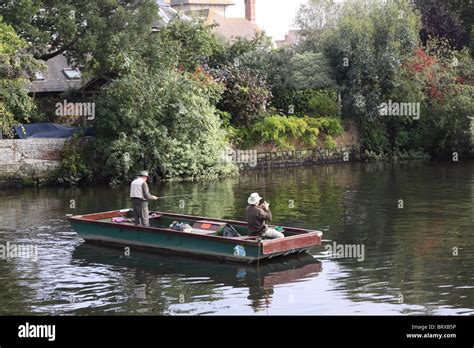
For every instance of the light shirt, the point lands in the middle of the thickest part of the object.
(139, 189)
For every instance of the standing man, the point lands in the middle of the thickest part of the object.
(140, 195)
(257, 215)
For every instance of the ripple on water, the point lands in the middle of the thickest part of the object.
(409, 266)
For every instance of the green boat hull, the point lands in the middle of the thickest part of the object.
(99, 229)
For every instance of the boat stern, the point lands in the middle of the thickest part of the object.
(292, 244)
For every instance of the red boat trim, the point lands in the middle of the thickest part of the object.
(303, 239)
(291, 243)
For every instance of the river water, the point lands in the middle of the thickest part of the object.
(412, 226)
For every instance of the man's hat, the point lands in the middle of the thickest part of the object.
(254, 199)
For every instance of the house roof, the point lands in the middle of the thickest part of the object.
(202, 2)
(230, 28)
(167, 14)
(291, 38)
(55, 79)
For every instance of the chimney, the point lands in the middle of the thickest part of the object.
(250, 10)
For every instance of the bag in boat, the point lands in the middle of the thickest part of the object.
(230, 232)
(181, 226)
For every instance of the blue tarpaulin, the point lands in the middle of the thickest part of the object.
(48, 130)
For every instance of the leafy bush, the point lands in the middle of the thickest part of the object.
(161, 120)
(323, 103)
(246, 93)
(185, 44)
(16, 106)
(285, 131)
(74, 167)
(327, 125)
(282, 131)
(430, 78)
(329, 142)
(312, 102)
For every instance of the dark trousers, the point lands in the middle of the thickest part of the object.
(140, 212)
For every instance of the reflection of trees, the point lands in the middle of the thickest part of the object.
(210, 198)
(22, 213)
(309, 197)
(410, 250)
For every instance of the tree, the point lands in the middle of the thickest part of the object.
(438, 78)
(365, 46)
(315, 19)
(449, 19)
(246, 93)
(233, 52)
(440, 22)
(187, 44)
(91, 33)
(163, 120)
(15, 104)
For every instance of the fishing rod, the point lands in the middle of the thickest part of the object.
(176, 196)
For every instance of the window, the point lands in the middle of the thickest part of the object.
(72, 74)
(39, 76)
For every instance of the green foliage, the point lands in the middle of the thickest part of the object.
(286, 132)
(27, 182)
(234, 135)
(288, 69)
(282, 130)
(186, 44)
(246, 93)
(323, 103)
(75, 169)
(315, 20)
(450, 20)
(315, 103)
(15, 104)
(327, 125)
(472, 41)
(78, 28)
(163, 121)
(10, 42)
(365, 42)
(309, 70)
(436, 77)
(329, 142)
(241, 49)
(375, 53)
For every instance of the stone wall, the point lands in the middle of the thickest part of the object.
(263, 158)
(268, 156)
(28, 160)
(33, 161)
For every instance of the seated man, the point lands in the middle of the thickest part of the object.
(257, 215)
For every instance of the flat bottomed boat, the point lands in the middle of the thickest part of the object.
(203, 238)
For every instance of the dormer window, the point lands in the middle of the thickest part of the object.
(39, 76)
(72, 74)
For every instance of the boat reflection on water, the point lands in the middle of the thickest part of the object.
(259, 279)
